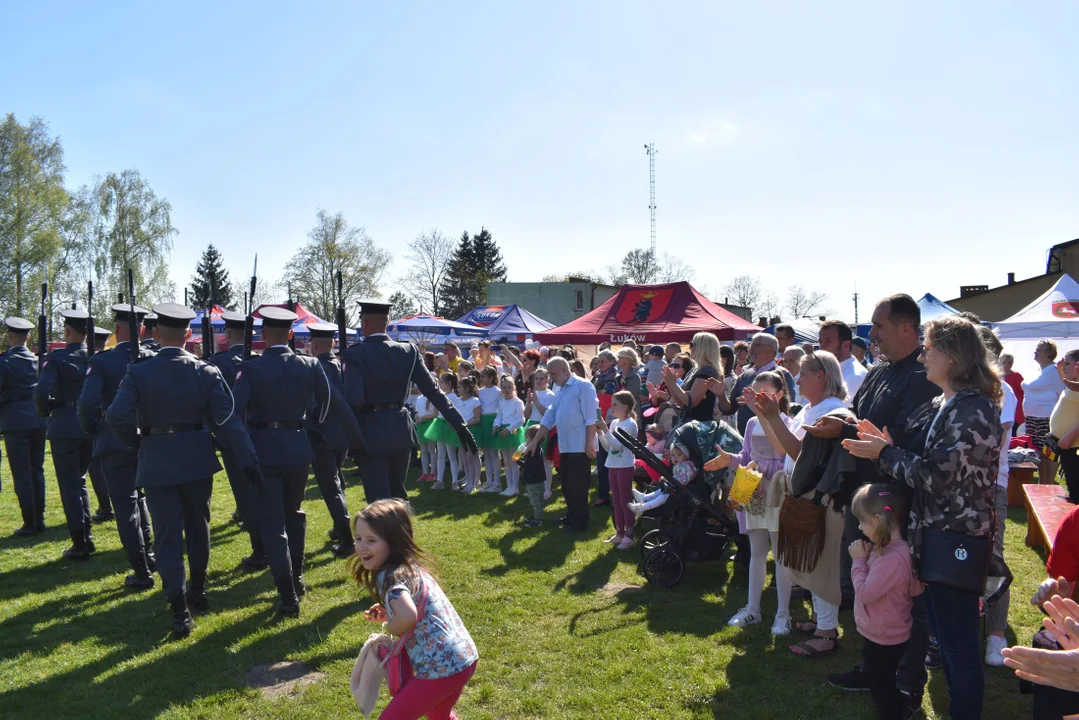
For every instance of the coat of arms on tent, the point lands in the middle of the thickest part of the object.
(1068, 309)
(643, 305)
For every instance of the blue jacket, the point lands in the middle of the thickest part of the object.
(176, 388)
(58, 391)
(106, 370)
(229, 362)
(18, 378)
(281, 386)
(331, 433)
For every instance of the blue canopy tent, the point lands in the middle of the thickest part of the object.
(506, 323)
(424, 330)
(931, 306)
(805, 331)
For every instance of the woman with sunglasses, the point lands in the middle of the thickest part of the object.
(697, 400)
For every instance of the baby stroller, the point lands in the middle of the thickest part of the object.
(688, 526)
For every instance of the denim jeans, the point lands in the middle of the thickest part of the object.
(953, 620)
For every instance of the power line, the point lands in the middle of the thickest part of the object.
(650, 149)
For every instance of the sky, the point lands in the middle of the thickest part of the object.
(841, 146)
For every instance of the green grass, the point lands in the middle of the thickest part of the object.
(74, 644)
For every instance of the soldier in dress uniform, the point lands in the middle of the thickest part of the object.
(24, 431)
(164, 407)
(104, 511)
(274, 392)
(329, 443)
(228, 362)
(56, 394)
(116, 461)
(148, 324)
(378, 375)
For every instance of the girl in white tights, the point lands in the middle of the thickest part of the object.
(760, 518)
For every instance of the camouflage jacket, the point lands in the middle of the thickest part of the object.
(956, 474)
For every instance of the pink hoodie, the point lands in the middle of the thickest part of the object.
(884, 591)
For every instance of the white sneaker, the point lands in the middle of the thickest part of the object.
(745, 617)
(507, 493)
(782, 625)
(993, 646)
(438, 486)
(637, 495)
(626, 544)
(635, 507)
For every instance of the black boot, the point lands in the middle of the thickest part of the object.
(25, 531)
(77, 552)
(182, 624)
(343, 549)
(299, 585)
(288, 603)
(196, 593)
(102, 515)
(254, 561)
(151, 560)
(90, 547)
(140, 579)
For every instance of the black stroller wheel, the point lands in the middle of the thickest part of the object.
(664, 567)
(654, 539)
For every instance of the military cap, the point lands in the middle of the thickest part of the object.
(76, 319)
(234, 320)
(374, 307)
(173, 315)
(101, 332)
(150, 320)
(122, 311)
(18, 325)
(275, 317)
(322, 330)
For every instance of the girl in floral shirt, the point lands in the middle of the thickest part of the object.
(390, 565)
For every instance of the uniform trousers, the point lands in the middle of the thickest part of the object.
(281, 519)
(327, 466)
(179, 513)
(101, 488)
(26, 458)
(71, 459)
(383, 474)
(132, 515)
(241, 492)
(576, 472)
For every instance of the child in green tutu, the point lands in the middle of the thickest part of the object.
(469, 406)
(443, 435)
(508, 431)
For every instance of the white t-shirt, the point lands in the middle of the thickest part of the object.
(467, 407)
(853, 375)
(452, 397)
(618, 455)
(1041, 394)
(545, 397)
(422, 405)
(489, 399)
(809, 415)
(1007, 414)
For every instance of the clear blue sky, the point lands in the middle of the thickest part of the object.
(909, 148)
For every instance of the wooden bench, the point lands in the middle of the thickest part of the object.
(1047, 506)
(1019, 475)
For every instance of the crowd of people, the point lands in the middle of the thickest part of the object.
(896, 448)
(882, 470)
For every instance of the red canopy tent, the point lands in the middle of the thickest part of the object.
(650, 314)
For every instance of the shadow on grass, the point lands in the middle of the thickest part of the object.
(45, 576)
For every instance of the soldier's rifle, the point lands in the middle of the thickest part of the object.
(249, 321)
(42, 329)
(91, 340)
(342, 330)
(132, 318)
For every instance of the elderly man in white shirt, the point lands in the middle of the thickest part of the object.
(792, 363)
(836, 337)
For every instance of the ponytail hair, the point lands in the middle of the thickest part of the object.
(884, 501)
(779, 385)
(450, 379)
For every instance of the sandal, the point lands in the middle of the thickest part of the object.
(809, 627)
(804, 649)
(600, 502)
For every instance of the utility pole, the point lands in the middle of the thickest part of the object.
(650, 149)
(855, 297)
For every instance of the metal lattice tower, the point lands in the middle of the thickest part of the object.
(650, 149)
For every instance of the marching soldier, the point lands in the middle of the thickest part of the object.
(378, 375)
(329, 443)
(24, 431)
(56, 393)
(117, 462)
(104, 511)
(171, 395)
(228, 363)
(274, 392)
(148, 324)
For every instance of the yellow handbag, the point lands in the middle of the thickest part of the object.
(744, 485)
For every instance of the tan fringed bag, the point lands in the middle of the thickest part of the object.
(801, 534)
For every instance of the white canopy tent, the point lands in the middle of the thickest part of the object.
(1053, 316)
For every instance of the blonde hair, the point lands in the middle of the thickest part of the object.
(833, 373)
(883, 501)
(961, 342)
(631, 355)
(706, 351)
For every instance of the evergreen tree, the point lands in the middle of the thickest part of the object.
(489, 265)
(211, 284)
(400, 306)
(459, 285)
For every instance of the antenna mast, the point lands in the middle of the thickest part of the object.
(650, 149)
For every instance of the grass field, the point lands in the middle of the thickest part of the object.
(553, 643)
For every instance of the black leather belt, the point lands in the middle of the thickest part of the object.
(171, 429)
(278, 425)
(379, 406)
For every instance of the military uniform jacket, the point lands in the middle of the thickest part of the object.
(330, 433)
(18, 378)
(380, 372)
(58, 391)
(228, 362)
(278, 387)
(103, 376)
(176, 388)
